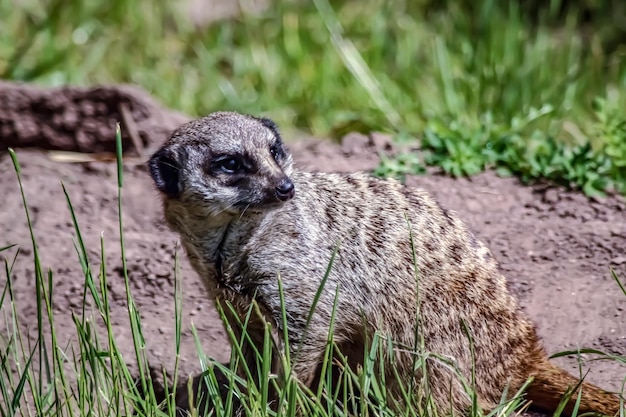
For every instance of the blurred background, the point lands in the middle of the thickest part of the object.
(532, 88)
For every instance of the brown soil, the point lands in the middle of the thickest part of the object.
(556, 247)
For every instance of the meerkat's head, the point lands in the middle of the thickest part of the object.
(223, 164)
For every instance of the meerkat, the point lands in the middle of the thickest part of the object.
(404, 267)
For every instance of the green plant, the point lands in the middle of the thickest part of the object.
(403, 163)
(612, 138)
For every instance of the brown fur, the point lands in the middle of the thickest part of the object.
(239, 235)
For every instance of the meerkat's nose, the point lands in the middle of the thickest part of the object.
(285, 190)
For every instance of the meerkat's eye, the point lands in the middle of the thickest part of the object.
(229, 165)
(276, 152)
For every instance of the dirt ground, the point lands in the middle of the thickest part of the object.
(555, 246)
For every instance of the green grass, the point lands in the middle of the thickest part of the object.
(537, 94)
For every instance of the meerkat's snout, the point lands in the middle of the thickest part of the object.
(285, 190)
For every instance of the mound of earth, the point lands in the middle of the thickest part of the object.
(556, 247)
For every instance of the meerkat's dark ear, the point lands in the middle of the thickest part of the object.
(268, 123)
(165, 171)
